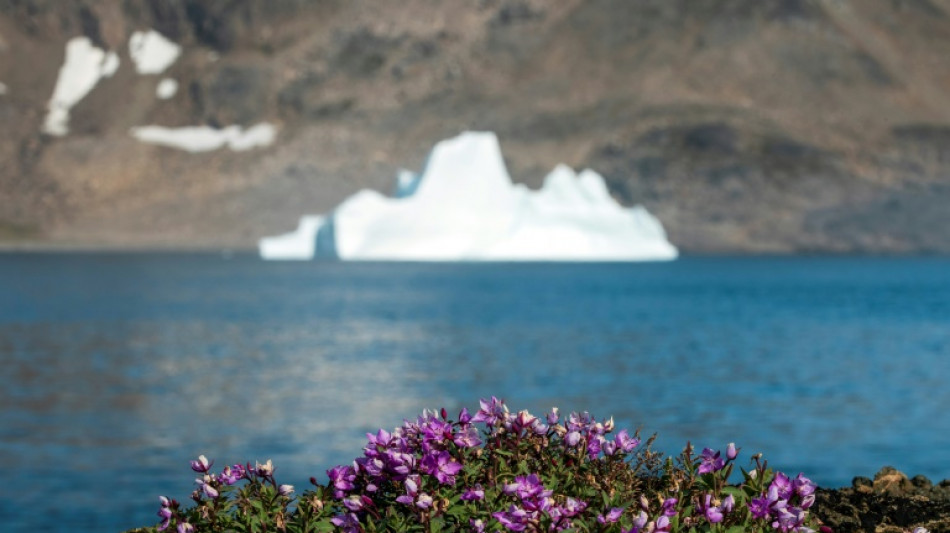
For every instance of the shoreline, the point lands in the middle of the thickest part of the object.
(889, 503)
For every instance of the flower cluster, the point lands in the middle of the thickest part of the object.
(495, 471)
(786, 502)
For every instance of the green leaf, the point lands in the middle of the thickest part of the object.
(324, 525)
(736, 492)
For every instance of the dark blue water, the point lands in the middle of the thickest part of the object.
(115, 370)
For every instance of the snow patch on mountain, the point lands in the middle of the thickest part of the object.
(84, 66)
(151, 52)
(196, 139)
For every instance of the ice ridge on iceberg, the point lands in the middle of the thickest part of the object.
(464, 207)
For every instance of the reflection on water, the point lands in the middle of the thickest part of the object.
(118, 369)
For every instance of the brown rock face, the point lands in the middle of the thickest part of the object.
(745, 126)
(891, 503)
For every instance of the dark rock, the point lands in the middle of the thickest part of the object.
(361, 53)
(862, 484)
(890, 503)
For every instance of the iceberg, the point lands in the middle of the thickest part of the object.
(464, 207)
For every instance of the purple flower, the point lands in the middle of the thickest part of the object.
(202, 465)
(353, 503)
(728, 504)
(553, 416)
(185, 527)
(373, 466)
(526, 487)
(669, 507)
(789, 519)
(625, 442)
(412, 487)
(711, 462)
(639, 523)
(612, 517)
(342, 478)
(663, 524)
(776, 502)
(712, 512)
(231, 474)
(514, 519)
(573, 507)
(382, 439)
(165, 513)
(285, 490)
(473, 494)
(467, 438)
(465, 418)
(442, 466)
(490, 411)
(435, 431)
(759, 507)
(572, 439)
(478, 526)
(424, 501)
(594, 446)
(803, 486)
(348, 522)
(807, 501)
(264, 470)
(731, 451)
(579, 421)
(400, 464)
(783, 485)
(207, 489)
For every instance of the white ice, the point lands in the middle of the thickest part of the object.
(205, 138)
(84, 66)
(464, 207)
(166, 88)
(151, 52)
(299, 244)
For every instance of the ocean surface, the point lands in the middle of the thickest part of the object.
(117, 369)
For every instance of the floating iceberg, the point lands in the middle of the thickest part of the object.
(464, 207)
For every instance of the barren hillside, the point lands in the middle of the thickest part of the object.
(744, 125)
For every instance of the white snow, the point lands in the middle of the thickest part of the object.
(151, 52)
(3, 88)
(205, 138)
(166, 88)
(84, 66)
(465, 208)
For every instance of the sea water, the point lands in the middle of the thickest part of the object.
(117, 369)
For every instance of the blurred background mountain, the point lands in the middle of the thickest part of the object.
(744, 125)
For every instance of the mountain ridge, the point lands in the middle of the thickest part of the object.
(786, 126)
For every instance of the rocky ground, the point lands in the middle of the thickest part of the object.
(890, 503)
(745, 126)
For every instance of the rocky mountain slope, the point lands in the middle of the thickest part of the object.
(744, 125)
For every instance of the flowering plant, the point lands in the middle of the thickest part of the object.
(502, 471)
